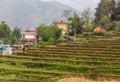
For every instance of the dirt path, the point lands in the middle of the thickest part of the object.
(82, 80)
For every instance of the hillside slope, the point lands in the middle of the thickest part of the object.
(29, 13)
(93, 59)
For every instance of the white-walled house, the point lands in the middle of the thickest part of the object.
(29, 36)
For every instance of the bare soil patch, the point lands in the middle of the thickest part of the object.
(82, 79)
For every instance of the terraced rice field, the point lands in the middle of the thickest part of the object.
(92, 59)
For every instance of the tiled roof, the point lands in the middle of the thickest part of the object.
(34, 33)
(30, 30)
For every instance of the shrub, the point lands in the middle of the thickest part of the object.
(118, 26)
(47, 32)
(87, 34)
(88, 27)
(99, 33)
(112, 26)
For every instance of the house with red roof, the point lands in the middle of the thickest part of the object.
(29, 36)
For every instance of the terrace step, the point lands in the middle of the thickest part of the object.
(65, 58)
(47, 64)
(81, 53)
(99, 57)
(74, 69)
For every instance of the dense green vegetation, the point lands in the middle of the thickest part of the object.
(107, 13)
(75, 24)
(116, 12)
(17, 33)
(7, 36)
(48, 34)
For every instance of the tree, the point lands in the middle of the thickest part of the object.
(57, 33)
(105, 8)
(105, 21)
(43, 32)
(49, 32)
(88, 27)
(13, 39)
(17, 33)
(86, 15)
(5, 32)
(116, 12)
(75, 24)
(87, 20)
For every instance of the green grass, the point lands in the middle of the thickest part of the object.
(99, 57)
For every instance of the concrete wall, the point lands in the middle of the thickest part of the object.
(64, 28)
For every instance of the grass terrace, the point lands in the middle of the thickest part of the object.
(93, 58)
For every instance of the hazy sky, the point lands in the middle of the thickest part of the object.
(78, 4)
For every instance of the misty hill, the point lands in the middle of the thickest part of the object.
(29, 13)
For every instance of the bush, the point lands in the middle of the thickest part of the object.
(118, 26)
(88, 27)
(47, 32)
(109, 33)
(87, 34)
(49, 42)
(118, 33)
(99, 33)
(112, 26)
